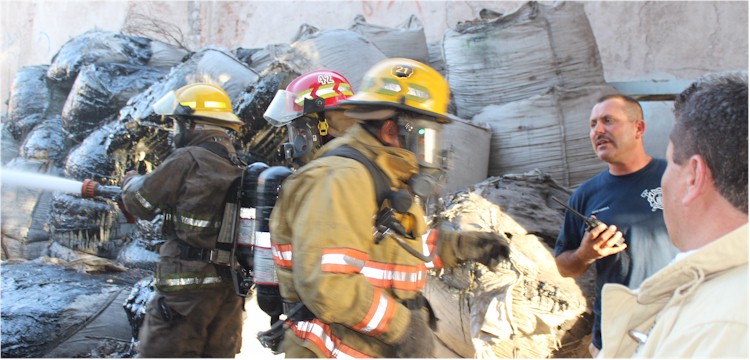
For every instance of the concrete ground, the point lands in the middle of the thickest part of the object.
(256, 321)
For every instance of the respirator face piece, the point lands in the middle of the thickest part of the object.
(178, 132)
(423, 136)
(304, 139)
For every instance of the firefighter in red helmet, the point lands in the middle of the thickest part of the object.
(310, 109)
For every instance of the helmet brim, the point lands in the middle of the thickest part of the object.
(369, 110)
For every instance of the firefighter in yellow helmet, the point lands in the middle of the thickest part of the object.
(195, 311)
(351, 268)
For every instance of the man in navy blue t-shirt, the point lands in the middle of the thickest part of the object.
(626, 197)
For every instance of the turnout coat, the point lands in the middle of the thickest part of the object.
(326, 256)
(696, 307)
(195, 311)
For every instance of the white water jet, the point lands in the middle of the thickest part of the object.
(39, 181)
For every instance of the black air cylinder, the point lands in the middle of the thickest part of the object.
(266, 281)
(246, 239)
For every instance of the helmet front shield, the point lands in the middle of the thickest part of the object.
(169, 104)
(423, 136)
(283, 109)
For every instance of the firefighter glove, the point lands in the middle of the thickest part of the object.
(418, 341)
(486, 248)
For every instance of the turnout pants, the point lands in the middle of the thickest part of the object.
(193, 323)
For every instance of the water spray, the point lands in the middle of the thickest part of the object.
(87, 189)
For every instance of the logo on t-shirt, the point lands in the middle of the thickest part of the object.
(654, 198)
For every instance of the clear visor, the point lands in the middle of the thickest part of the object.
(167, 105)
(424, 138)
(283, 109)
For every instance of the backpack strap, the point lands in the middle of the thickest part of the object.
(220, 150)
(382, 185)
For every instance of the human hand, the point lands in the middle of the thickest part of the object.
(487, 248)
(126, 177)
(599, 242)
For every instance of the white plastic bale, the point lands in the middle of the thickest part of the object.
(406, 40)
(264, 57)
(549, 131)
(515, 56)
(471, 146)
(343, 51)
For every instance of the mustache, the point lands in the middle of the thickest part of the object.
(603, 137)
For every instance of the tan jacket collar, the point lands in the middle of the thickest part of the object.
(727, 252)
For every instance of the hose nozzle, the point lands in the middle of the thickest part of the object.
(91, 189)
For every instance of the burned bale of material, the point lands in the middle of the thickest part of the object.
(8, 143)
(92, 158)
(210, 65)
(29, 99)
(100, 91)
(25, 211)
(524, 308)
(91, 226)
(527, 199)
(260, 59)
(261, 140)
(93, 47)
(142, 250)
(32, 99)
(46, 142)
(164, 56)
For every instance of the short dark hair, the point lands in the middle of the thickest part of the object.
(635, 111)
(711, 121)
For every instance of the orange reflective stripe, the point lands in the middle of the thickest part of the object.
(411, 278)
(382, 275)
(320, 334)
(429, 243)
(379, 316)
(282, 254)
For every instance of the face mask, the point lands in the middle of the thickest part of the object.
(303, 139)
(423, 137)
(179, 134)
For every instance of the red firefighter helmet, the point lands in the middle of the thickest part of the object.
(313, 92)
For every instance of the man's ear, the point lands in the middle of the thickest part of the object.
(389, 133)
(700, 178)
(640, 129)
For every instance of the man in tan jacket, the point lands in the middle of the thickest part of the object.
(697, 306)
